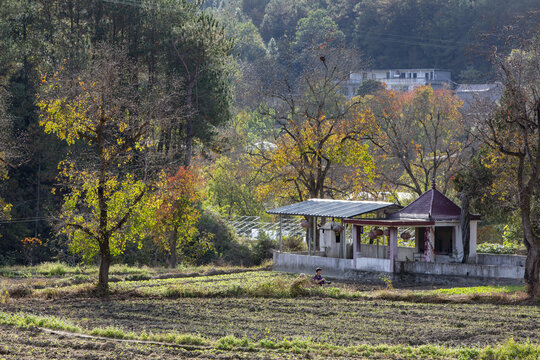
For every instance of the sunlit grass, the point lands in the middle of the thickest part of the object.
(470, 290)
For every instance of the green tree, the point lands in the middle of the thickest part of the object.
(5, 132)
(255, 10)
(281, 16)
(104, 108)
(229, 188)
(369, 87)
(203, 51)
(318, 30)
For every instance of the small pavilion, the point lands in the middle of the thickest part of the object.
(432, 221)
(437, 231)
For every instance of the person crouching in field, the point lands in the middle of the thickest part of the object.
(318, 279)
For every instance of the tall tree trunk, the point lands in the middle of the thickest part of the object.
(172, 248)
(103, 279)
(189, 123)
(38, 192)
(532, 242)
(532, 268)
(532, 263)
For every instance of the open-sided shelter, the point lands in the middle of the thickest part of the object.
(432, 220)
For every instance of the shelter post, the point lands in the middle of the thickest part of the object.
(429, 244)
(354, 244)
(392, 246)
(472, 240)
(458, 244)
(308, 237)
(314, 234)
(280, 234)
(343, 240)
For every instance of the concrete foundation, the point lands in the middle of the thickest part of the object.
(509, 267)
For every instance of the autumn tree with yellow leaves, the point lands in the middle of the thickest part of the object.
(319, 150)
(177, 216)
(421, 137)
(106, 118)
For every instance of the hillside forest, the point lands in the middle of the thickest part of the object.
(134, 131)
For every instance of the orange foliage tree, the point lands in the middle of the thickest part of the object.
(177, 217)
(29, 246)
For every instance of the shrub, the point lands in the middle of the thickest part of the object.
(20, 291)
(230, 342)
(226, 246)
(263, 248)
(4, 296)
(490, 248)
(53, 269)
(299, 287)
(294, 243)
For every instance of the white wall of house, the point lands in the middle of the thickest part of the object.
(398, 79)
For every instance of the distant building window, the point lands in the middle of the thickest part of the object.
(364, 76)
(409, 75)
(388, 74)
(414, 75)
(373, 76)
(431, 75)
(427, 76)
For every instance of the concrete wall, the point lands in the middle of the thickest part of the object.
(372, 268)
(464, 270)
(496, 259)
(404, 253)
(373, 264)
(332, 267)
(294, 263)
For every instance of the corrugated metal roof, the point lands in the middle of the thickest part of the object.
(331, 208)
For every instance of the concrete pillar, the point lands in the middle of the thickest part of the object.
(472, 240)
(308, 238)
(458, 244)
(314, 234)
(280, 236)
(429, 245)
(392, 246)
(343, 238)
(354, 243)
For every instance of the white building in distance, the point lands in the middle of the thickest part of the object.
(398, 79)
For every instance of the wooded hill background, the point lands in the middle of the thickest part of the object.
(230, 52)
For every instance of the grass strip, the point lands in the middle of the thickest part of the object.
(60, 269)
(25, 321)
(266, 284)
(507, 350)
